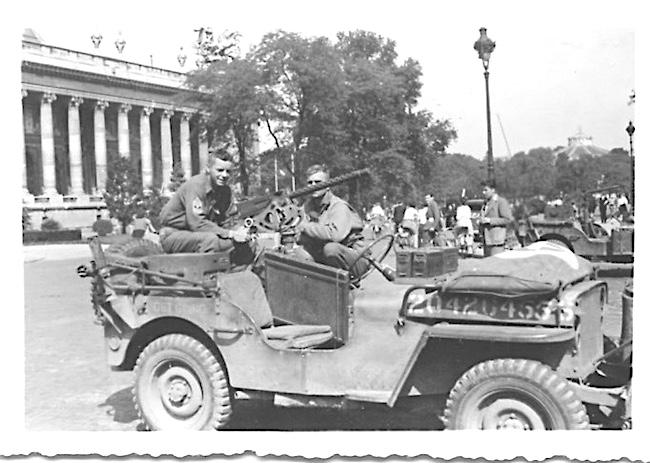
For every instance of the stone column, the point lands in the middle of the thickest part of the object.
(123, 130)
(166, 147)
(186, 150)
(74, 144)
(100, 144)
(21, 147)
(203, 144)
(146, 155)
(47, 145)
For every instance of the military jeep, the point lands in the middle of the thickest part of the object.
(512, 341)
(593, 240)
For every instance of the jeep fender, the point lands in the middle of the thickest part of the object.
(446, 351)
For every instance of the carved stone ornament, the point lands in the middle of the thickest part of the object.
(48, 97)
(101, 105)
(75, 101)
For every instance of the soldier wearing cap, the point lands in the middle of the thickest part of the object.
(192, 220)
(331, 232)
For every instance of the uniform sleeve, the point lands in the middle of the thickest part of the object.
(196, 216)
(336, 227)
(505, 214)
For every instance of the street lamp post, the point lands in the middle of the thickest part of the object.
(630, 131)
(485, 46)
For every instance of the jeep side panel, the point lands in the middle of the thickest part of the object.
(369, 361)
(449, 349)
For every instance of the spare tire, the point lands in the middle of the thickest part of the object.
(136, 247)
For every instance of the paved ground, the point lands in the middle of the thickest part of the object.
(69, 387)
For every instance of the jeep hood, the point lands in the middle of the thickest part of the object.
(542, 267)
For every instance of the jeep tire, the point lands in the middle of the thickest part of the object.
(136, 247)
(181, 384)
(508, 394)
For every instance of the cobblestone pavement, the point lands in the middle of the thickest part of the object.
(70, 387)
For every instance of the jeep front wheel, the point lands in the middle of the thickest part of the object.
(180, 384)
(507, 394)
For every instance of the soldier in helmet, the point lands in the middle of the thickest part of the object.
(193, 219)
(331, 232)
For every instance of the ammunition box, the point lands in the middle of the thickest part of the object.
(427, 262)
(450, 259)
(404, 263)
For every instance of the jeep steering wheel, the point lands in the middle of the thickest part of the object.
(374, 262)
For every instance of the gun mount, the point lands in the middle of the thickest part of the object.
(278, 212)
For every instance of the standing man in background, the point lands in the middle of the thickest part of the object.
(433, 223)
(496, 216)
(398, 214)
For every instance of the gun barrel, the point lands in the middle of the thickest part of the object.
(330, 183)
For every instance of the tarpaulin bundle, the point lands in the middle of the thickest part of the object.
(539, 268)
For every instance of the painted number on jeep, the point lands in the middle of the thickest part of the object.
(475, 307)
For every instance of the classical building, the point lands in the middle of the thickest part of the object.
(81, 109)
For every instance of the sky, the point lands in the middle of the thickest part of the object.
(558, 67)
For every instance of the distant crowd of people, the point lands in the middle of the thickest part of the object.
(496, 218)
(429, 223)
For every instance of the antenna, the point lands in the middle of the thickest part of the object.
(503, 132)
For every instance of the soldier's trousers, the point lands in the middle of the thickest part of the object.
(332, 254)
(177, 241)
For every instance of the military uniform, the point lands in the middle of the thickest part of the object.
(332, 234)
(494, 232)
(192, 219)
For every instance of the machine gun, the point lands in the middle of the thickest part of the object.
(278, 212)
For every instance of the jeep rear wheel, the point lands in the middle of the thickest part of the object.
(511, 394)
(180, 384)
(136, 247)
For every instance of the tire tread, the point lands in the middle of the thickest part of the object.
(542, 375)
(221, 396)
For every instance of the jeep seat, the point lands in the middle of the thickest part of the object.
(245, 290)
(298, 336)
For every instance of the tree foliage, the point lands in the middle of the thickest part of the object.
(123, 190)
(353, 103)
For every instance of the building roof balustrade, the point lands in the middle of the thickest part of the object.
(88, 62)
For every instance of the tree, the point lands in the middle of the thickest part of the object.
(427, 140)
(153, 202)
(455, 172)
(564, 179)
(177, 178)
(123, 190)
(303, 86)
(233, 101)
(349, 105)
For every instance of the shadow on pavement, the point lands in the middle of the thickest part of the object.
(120, 406)
(372, 417)
(254, 415)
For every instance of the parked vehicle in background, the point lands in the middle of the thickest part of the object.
(594, 240)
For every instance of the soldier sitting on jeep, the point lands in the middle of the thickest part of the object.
(193, 219)
(331, 231)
